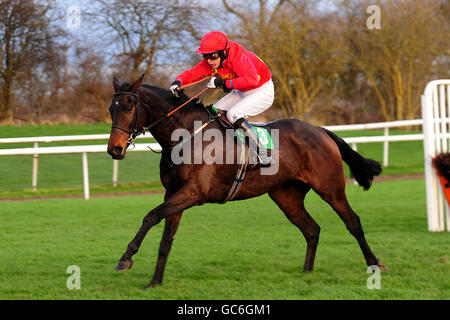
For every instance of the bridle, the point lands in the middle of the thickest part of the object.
(134, 131)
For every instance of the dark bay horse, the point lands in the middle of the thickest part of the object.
(309, 157)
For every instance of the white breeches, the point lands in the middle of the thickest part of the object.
(241, 104)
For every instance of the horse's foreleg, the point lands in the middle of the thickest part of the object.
(153, 217)
(170, 229)
(183, 199)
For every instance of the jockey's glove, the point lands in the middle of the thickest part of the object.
(175, 87)
(217, 83)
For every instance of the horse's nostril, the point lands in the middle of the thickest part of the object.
(117, 150)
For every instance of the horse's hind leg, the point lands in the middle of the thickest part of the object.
(289, 198)
(337, 199)
(170, 229)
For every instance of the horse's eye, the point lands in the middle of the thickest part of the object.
(129, 108)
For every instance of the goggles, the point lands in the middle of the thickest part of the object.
(212, 56)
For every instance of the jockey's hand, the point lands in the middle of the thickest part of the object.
(216, 83)
(175, 87)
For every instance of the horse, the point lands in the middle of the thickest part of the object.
(310, 157)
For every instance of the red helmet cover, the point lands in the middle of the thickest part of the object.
(212, 41)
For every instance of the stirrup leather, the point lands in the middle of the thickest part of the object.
(263, 159)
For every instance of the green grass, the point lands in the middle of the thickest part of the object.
(10, 131)
(62, 174)
(232, 251)
(77, 192)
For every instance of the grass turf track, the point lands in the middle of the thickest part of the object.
(241, 250)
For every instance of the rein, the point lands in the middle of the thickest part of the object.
(135, 132)
(193, 83)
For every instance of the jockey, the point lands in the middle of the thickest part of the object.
(239, 72)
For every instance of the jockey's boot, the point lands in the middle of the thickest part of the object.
(263, 158)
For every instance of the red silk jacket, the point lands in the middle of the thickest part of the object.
(242, 69)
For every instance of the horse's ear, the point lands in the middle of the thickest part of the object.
(137, 84)
(116, 84)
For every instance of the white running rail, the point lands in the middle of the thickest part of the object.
(84, 150)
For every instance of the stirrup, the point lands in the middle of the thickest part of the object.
(261, 162)
(265, 161)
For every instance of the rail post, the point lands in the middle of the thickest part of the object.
(115, 172)
(386, 148)
(85, 175)
(35, 169)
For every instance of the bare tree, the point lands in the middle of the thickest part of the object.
(90, 92)
(255, 18)
(148, 33)
(326, 62)
(300, 46)
(397, 60)
(28, 39)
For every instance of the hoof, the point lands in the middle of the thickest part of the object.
(379, 266)
(383, 267)
(124, 265)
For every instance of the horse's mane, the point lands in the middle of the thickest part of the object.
(164, 96)
(169, 98)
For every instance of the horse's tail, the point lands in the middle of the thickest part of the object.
(362, 169)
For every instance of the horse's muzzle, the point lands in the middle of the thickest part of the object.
(116, 152)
